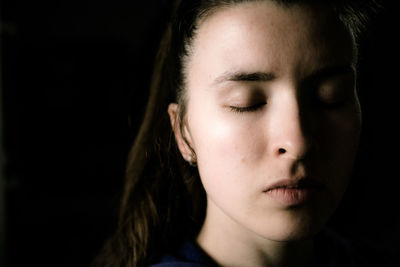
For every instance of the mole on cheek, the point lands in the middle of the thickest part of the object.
(243, 160)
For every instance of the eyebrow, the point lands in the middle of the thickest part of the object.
(245, 77)
(322, 73)
(331, 71)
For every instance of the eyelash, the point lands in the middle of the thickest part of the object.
(330, 104)
(246, 109)
(334, 105)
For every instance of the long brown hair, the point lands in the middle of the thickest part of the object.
(163, 201)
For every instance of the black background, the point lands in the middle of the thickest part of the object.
(75, 78)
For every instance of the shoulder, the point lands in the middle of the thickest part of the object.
(370, 254)
(336, 250)
(188, 255)
(177, 264)
(332, 249)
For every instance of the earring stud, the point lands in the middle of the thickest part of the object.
(192, 160)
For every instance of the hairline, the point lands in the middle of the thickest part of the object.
(206, 13)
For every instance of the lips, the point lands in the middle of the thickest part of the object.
(295, 184)
(291, 192)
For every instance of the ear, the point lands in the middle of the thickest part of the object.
(181, 140)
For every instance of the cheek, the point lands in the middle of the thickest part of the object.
(223, 140)
(221, 136)
(338, 149)
(227, 147)
(344, 135)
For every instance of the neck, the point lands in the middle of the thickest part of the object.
(229, 244)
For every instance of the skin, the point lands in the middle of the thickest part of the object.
(300, 119)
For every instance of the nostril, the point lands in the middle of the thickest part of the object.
(282, 151)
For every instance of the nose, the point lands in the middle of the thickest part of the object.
(296, 150)
(289, 136)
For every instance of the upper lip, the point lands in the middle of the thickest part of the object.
(295, 183)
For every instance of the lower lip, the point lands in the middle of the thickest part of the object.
(291, 196)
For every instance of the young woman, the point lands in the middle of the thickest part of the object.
(248, 140)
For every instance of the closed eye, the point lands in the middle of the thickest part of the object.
(251, 108)
(331, 104)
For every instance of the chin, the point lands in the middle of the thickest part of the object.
(296, 234)
(292, 227)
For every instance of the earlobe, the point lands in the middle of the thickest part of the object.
(173, 112)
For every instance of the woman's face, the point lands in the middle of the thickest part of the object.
(273, 117)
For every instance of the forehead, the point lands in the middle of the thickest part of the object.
(264, 36)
